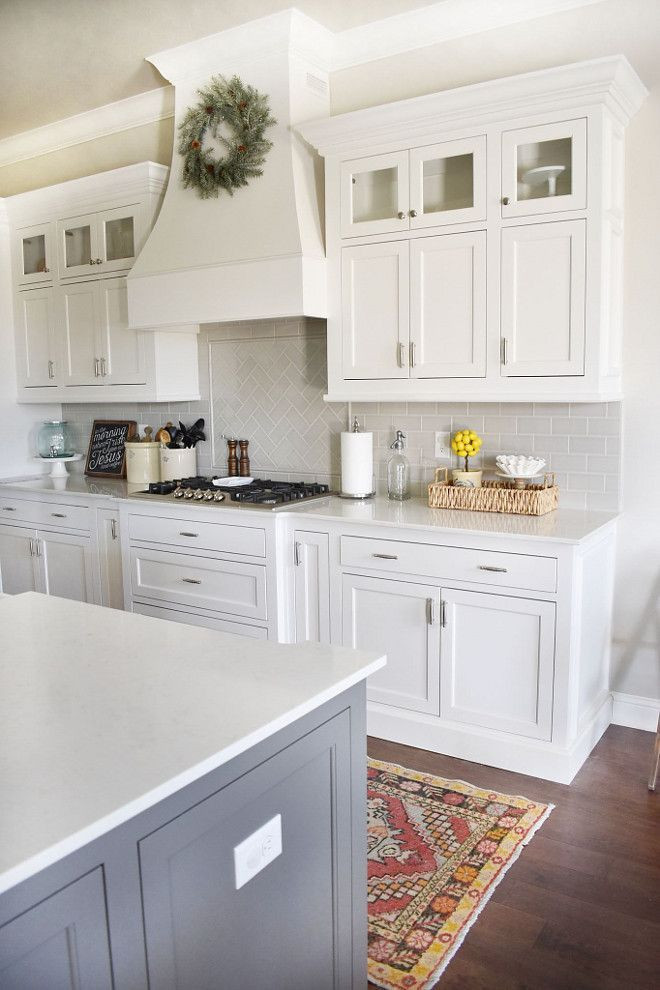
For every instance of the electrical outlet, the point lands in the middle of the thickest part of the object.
(257, 851)
(442, 447)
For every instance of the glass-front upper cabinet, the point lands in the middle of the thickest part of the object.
(34, 254)
(448, 183)
(544, 169)
(97, 243)
(374, 195)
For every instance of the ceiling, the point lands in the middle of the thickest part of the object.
(61, 57)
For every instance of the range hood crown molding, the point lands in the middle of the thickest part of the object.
(260, 253)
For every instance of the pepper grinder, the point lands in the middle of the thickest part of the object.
(244, 463)
(232, 459)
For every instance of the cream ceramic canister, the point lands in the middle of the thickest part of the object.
(142, 463)
(467, 479)
(177, 463)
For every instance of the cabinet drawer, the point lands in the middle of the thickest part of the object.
(44, 513)
(221, 585)
(195, 619)
(508, 570)
(244, 540)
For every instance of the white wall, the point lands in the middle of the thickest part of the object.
(19, 424)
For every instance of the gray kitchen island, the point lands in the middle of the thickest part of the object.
(179, 807)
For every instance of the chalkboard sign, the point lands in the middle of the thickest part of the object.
(106, 454)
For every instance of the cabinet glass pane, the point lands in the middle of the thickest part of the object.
(34, 254)
(119, 241)
(448, 183)
(544, 169)
(375, 194)
(78, 248)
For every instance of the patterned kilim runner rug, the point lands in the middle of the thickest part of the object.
(437, 850)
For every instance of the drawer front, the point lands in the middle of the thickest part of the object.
(45, 513)
(507, 570)
(194, 619)
(244, 540)
(221, 585)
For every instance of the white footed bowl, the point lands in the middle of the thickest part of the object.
(520, 466)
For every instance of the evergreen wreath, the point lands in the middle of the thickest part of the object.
(246, 112)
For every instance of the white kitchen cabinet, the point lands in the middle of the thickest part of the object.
(198, 619)
(425, 187)
(311, 587)
(67, 565)
(497, 663)
(544, 168)
(34, 254)
(110, 560)
(97, 243)
(448, 306)
(401, 619)
(38, 351)
(18, 563)
(99, 348)
(543, 299)
(533, 164)
(375, 282)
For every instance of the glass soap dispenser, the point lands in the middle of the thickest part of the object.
(398, 471)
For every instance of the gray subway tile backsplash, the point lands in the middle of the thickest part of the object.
(266, 382)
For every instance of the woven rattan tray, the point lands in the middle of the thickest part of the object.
(495, 496)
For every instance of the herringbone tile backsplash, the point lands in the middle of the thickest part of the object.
(264, 381)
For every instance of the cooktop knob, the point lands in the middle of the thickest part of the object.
(218, 497)
(208, 496)
(179, 492)
(198, 494)
(189, 493)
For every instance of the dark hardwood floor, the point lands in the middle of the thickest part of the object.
(580, 909)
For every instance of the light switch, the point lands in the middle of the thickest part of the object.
(257, 851)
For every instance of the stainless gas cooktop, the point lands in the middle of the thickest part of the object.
(258, 493)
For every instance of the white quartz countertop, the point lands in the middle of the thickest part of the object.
(104, 713)
(563, 525)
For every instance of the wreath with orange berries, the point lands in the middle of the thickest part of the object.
(246, 113)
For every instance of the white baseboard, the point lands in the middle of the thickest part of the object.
(635, 712)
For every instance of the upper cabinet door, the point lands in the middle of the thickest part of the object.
(448, 183)
(120, 351)
(117, 238)
(448, 306)
(37, 357)
(374, 195)
(34, 255)
(80, 321)
(375, 312)
(544, 169)
(77, 246)
(543, 299)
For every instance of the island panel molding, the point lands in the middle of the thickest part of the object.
(531, 163)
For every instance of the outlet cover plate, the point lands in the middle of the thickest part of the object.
(442, 447)
(257, 851)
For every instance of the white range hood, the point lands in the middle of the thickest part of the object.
(260, 253)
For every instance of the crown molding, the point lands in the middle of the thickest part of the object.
(288, 29)
(134, 111)
(609, 81)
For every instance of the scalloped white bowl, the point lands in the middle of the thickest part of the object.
(520, 466)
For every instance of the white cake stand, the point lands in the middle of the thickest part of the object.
(521, 480)
(58, 464)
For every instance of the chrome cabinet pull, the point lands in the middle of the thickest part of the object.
(385, 556)
(37, 548)
(96, 367)
(183, 533)
(8, 508)
(59, 515)
(413, 214)
(51, 370)
(113, 529)
(297, 554)
(443, 613)
(191, 580)
(498, 570)
(505, 200)
(31, 546)
(401, 355)
(432, 611)
(401, 215)
(504, 351)
(411, 348)
(103, 370)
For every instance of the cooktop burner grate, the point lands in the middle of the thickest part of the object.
(259, 492)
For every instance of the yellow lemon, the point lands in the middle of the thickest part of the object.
(473, 436)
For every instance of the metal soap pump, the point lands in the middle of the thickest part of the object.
(398, 471)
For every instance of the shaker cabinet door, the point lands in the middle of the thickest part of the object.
(121, 351)
(312, 587)
(18, 570)
(79, 307)
(68, 564)
(543, 299)
(448, 306)
(374, 195)
(544, 168)
(375, 313)
(498, 662)
(400, 619)
(37, 355)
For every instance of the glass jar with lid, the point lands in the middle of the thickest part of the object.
(55, 439)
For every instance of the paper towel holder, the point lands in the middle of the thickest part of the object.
(356, 429)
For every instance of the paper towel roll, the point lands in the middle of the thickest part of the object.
(357, 464)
